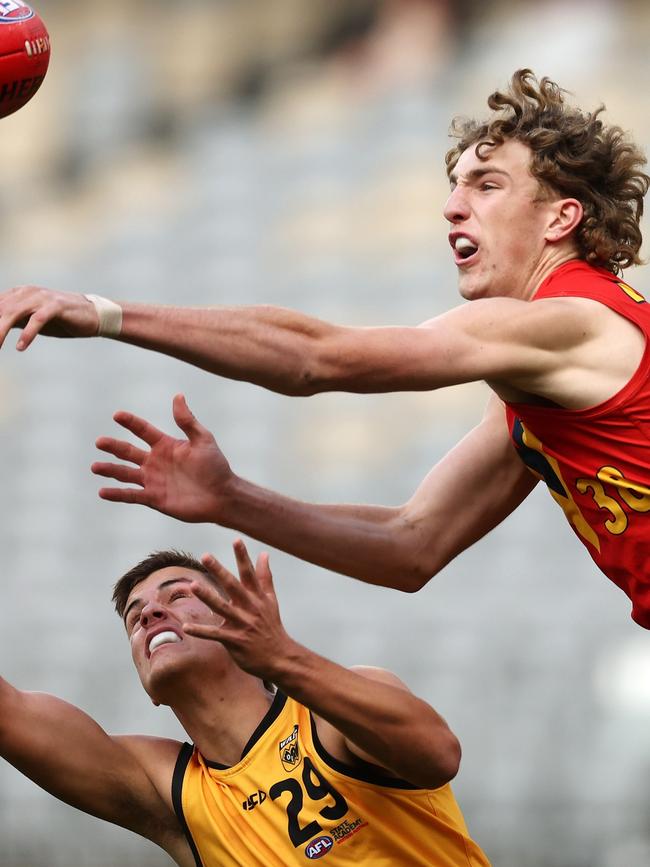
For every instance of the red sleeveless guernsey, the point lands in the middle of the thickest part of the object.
(596, 461)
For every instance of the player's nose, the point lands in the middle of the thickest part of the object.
(456, 207)
(151, 612)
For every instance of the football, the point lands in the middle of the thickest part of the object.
(24, 54)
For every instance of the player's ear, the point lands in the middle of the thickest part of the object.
(566, 216)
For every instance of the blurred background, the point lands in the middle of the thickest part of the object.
(291, 152)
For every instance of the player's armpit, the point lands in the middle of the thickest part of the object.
(69, 755)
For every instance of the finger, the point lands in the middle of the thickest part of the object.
(9, 320)
(35, 324)
(16, 313)
(187, 421)
(122, 450)
(203, 630)
(225, 579)
(5, 327)
(209, 594)
(140, 427)
(125, 495)
(128, 475)
(231, 615)
(245, 566)
(264, 574)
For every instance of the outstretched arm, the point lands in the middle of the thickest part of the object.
(372, 714)
(470, 491)
(68, 754)
(528, 346)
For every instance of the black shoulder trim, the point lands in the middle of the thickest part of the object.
(274, 711)
(277, 705)
(364, 771)
(182, 762)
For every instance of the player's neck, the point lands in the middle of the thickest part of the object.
(220, 718)
(554, 257)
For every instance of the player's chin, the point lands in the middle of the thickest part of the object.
(163, 687)
(470, 289)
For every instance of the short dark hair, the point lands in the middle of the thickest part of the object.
(155, 561)
(575, 155)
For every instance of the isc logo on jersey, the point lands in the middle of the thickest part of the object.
(14, 10)
(319, 847)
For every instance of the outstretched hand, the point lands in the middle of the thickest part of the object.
(185, 478)
(45, 311)
(251, 631)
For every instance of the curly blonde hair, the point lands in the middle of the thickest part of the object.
(574, 155)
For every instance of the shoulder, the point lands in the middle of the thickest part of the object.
(157, 757)
(382, 675)
(341, 747)
(147, 747)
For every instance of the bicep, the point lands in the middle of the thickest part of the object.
(497, 339)
(65, 752)
(423, 729)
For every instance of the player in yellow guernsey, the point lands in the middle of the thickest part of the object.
(293, 757)
(289, 799)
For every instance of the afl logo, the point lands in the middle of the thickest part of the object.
(318, 847)
(13, 10)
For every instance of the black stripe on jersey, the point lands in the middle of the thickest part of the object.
(182, 762)
(268, 719)
(364, 771)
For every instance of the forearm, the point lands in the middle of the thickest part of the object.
(287, 351)
(400, 547)
(375, 544)
(269, 346)
(387, 723)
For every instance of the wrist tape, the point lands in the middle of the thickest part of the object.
(109, 314)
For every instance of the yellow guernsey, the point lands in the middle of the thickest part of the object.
(289, 802)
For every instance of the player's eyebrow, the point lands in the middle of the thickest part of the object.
(476, 174)
(167, 583)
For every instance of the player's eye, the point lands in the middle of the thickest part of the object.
(133, 622)
(178, 594)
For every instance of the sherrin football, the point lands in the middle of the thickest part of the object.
(24, 54)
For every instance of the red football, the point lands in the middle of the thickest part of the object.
(24, 54)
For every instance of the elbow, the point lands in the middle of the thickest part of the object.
(451, 759)
(398, 577)
(8, 697)
(305, 378)
(410, 573)
(317, 375)
(412, 580)
(411, 560)
(308, 382)
(329, 363)
(445, 765)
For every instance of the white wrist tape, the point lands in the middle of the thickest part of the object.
(109, 314)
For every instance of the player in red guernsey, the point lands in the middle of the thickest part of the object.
(543, 214)
(595, 460)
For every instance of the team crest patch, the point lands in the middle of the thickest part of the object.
(290, 751)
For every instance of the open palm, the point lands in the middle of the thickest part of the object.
(185, 478)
